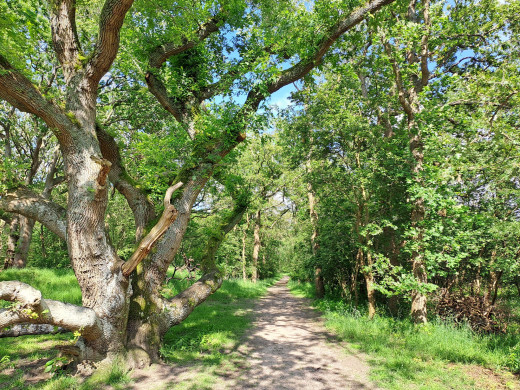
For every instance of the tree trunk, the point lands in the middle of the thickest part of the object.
(393, 254)
(318, 277)
(371, 293)
(26, 231)
(244, 237)
(42, 242)
(12, 242)
(494, 278)
(409, 100)
(256, 246)
(2, 226)
(147, 319)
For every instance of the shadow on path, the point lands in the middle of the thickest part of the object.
(288, 348)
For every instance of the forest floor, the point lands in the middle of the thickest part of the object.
(287, 347)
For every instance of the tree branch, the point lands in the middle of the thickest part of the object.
(27, 203)
(64, 36)
(30, 307)
(181, 306)
(303, 67)
(425, 72)
(161, 54)
(168, 216)
(407, 107)
(17, 90)
(107, 46)
(139, 203)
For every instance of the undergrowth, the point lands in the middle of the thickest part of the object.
(404, 355)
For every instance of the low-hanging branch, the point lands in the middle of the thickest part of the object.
(181, 306)
(30, 307)
(168, 216)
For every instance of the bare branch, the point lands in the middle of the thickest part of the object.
(168, 216)
(30, 307)
(31, 205)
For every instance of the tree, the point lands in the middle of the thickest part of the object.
(187, 60)
(406, 145)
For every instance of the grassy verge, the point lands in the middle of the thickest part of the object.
(214, 329)
(208, 337)
(433, 356)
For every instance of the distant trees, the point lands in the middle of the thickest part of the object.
(413, 139)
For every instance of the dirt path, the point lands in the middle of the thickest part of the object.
(290, 349)
(286, 348)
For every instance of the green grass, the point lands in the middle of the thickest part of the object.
(20, 351)
(214, 328)
(57, 284)
(405, 356)
(208, 336)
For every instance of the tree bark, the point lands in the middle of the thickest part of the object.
(26, 231)
(244, 236)
(371, 293)
(256, 245)
(12, 242)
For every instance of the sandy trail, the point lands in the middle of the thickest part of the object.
(286, 348)
(290, 349)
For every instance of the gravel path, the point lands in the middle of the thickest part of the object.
(289, 348)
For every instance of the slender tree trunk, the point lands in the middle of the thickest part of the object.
(12, 242)
(26, 232)
(393, 253)
(365, 259)
(517, 284)
(494, 278)
(42, 242)
(256, 245)
(371, 293)
(2, 227)
(244, 237)
(476, 285)
(354, 281)
(318, 277)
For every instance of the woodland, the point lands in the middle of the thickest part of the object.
(371, 148)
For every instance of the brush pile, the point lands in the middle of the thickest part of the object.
(474, 310)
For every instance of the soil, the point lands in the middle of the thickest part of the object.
(287, 348)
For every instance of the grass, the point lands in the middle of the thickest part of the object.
(57, 284)
(214, 329)
(404, 356)
(207, 337)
